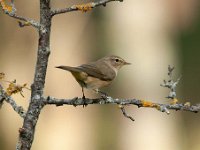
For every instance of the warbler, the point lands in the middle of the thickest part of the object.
(97, 74)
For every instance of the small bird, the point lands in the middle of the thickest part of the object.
(98, 74)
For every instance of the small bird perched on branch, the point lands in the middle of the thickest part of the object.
(98, 74)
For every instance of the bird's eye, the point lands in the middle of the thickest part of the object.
(117, 60)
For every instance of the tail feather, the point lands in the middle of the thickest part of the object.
(68, 68)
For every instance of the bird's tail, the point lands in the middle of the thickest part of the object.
(68, 68)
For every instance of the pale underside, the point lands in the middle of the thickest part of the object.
(89, 82)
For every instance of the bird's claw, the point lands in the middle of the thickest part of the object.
(84, 102)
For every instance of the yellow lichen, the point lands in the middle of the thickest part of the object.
(174, 101)
(14, 88)
(187, 104)
(158, 107)
(23, 24)
(147, 104)
(120, 106)
(5, 7)
(2, 75)
(84, 7)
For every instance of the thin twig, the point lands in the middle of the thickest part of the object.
(83, 7)
(170, 83)
(125, 114)
(11, 11)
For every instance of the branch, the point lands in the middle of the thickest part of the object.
(125, 114)
(26, 133)
(84, 7)
(11, 11)
(109, 100)
(19, 109)
(171, 84)
(1, 97)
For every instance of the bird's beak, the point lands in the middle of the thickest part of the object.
(127, 63)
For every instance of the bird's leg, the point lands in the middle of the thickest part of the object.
(84, 102)
(83, 93)
(103, 94)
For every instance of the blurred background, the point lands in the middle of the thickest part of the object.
(150, 34)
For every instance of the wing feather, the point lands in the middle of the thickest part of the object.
(93, 70)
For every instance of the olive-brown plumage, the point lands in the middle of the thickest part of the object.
(98, 74)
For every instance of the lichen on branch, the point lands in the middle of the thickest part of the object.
(82, 7)
(6, 8)
(11, 11)
(14, 88)
(5, 97)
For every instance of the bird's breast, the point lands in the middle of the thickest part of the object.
(95, 83)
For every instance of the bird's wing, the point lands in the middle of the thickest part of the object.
(92, 70)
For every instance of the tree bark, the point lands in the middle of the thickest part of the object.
(26, 135)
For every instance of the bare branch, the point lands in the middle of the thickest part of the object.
(83, 7)
(109, 100)
(125, 114)
(19, 109)
(171, 84)
(11, 11)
